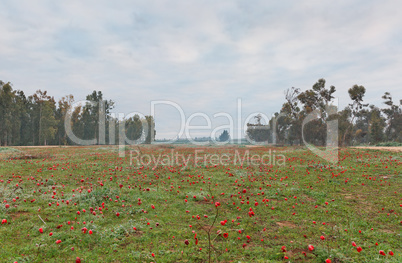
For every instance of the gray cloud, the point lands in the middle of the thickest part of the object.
(201, 55)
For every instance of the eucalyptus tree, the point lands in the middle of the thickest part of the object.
(393, 113)
(356, 94)
(45, 113)
(317, 101)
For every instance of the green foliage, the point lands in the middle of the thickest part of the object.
(224, 136)
(150, 137)
(258, 132)
(389, 144)
(393, 115)
(37, 120)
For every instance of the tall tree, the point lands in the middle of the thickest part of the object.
(77, 122)
(95, 115)
(343, 118)
(356, 94)
(150, 137)
(65, 104)
(7, 111)
(45, 108)
(258, 132)
(224, 136)
(376, 125)
(317, 99)
(133, 127)
(292, 117)
(23, 119)
(393, 114)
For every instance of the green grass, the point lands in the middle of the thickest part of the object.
(360, 193)
(389, 144)
(7, 149)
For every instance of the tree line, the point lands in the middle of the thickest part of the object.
(358, 123)
(38, 120)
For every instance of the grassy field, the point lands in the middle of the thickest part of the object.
(88, 202)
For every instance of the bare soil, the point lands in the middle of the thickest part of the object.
(381, 148)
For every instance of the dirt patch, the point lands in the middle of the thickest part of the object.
(308, 198)
(298, 256)
(349, 196)
(26, 156)
(137, 233)
(353, 196)
(202, 201)
(207, 228)
(18, 214)
(286, 224)
(276, 200)
(382, 176)
(381, 148)
(387, 231)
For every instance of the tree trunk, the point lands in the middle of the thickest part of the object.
(40, 122)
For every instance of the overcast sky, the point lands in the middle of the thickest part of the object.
(202, 55)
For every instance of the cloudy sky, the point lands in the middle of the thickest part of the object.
(201, 55)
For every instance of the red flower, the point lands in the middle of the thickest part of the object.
(359, 249)
(328, 261)
(41, 230)
(382, 252)
(225, 235)
(310, 247)
(58, 241)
